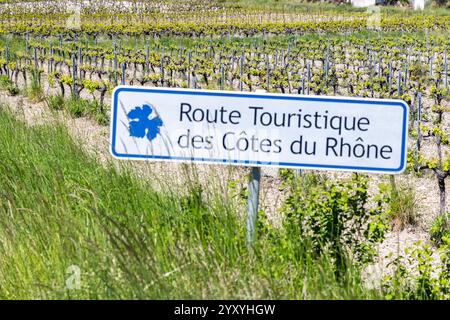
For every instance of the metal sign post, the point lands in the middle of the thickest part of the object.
(253, 200)
(253, 203)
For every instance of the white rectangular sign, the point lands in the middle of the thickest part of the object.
(259, 129)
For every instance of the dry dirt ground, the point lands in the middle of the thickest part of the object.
(94, 139)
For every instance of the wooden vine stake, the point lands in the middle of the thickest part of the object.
(445, 68)
(267, 72)
(222, 72)
(74, 76)
(147, 54)
(7, 60)
(162, 67)
(122, 78)
(241, 85)
(419, 119)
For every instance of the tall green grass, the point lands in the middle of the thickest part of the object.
(60, 208)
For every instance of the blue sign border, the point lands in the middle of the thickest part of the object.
(262, 96)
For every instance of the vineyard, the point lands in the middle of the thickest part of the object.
(67, 57)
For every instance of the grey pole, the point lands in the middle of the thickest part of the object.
(253, 201)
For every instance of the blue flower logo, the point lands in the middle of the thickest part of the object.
(141, 125)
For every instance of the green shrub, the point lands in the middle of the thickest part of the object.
(55, 102)
(402, 206)
(335, 218)
(12, 89)
(76, 107)
(91, 108)
(7, 84)
(4, 81)
(440, 229)
(101, 118)
(423, 280)
(35, 91)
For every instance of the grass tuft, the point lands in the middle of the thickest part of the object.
(403, 207)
